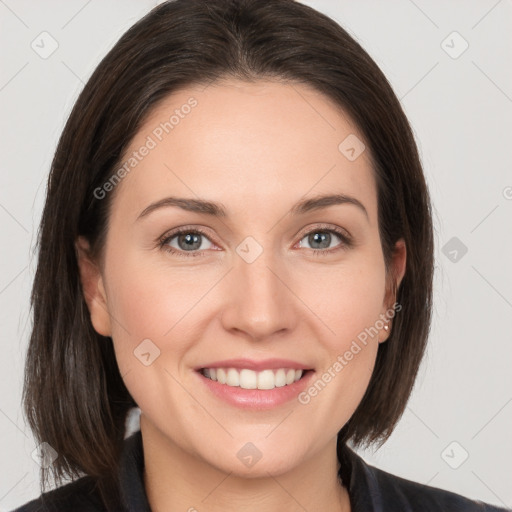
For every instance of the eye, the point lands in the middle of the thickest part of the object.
(185, 240)
(192, 242)
(320, 239)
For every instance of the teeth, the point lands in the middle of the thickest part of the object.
(249, 379)
(232, 378)
(246, 379)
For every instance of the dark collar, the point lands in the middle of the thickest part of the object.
(353, 470)
(132, 474)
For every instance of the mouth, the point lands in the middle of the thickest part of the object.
(254, 384)
(245, 378)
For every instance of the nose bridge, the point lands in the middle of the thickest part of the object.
(260, 303)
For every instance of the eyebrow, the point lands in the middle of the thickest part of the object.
(217, 209)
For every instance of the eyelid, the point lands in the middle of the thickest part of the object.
(320, 226)
(186, 227)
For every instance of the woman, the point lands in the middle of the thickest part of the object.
(237, 239)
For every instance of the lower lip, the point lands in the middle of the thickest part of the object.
(257, 398)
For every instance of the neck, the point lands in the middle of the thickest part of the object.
(175, 479)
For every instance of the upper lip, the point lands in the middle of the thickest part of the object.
(257, 366)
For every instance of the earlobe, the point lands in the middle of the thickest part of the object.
(386, 328)
(397, 272)
(93, 288)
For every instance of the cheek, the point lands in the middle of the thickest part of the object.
(150, 310)
(347, 299)
(157, 303)
(144, 304)
(148, 296)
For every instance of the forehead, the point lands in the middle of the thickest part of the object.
(262, 143)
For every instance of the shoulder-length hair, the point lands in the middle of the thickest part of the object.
(74, 396)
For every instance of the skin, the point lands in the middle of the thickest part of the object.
(258, 149)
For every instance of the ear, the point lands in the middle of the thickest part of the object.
(93, 288)
(393, 280)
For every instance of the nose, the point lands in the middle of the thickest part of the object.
(260, 301)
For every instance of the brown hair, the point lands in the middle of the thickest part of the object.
(74, 397)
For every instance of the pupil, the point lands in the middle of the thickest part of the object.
(320, 237)
(190, 239)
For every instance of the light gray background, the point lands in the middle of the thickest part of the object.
(460, 109)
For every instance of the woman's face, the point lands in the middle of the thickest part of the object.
(267, 280)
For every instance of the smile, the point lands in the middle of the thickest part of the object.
(263, 389)
(250, 379)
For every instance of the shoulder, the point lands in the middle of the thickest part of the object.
(372, 488)
(79, 496)
(419, 497)
(412, 495)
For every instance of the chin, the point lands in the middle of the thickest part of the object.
(250, 462)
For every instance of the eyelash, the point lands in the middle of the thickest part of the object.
(346, 242)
